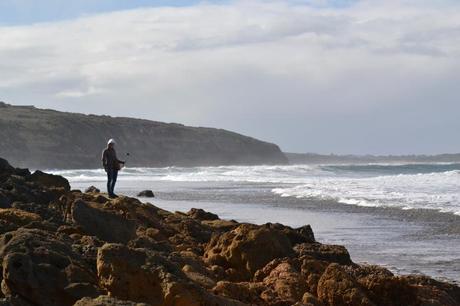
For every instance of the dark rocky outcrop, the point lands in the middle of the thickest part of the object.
(146, 194)
(48, 139)
(92, 189)
(61, 247)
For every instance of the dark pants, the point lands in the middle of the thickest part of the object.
(112, 175)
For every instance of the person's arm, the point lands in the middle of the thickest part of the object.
(116, 158)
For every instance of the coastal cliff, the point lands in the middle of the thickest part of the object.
(65, 247)
(44, 139)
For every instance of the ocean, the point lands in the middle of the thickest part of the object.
(405, 217)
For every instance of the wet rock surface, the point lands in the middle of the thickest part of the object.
(62, 247)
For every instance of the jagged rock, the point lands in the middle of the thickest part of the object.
(309, 299)
(307, 232)
(18, 217)
(221, 225)
(92, 189)
(5, 201)
(5, 166)
(240, 249)
(202, 215)
(54, 252)
(104, 300)
(337, 288)
(43, 269)
(144, 276)
(331, 253)
(431, 292)
(301, 235)
(312, 269)
(284, 283)
(146, 194)
(104, 224)
(245, 292)
(383, 288)
(49, 180)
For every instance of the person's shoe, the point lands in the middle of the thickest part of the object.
(112, 196)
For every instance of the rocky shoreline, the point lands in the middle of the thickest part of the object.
(66, 247)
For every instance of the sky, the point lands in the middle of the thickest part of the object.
(344, 76)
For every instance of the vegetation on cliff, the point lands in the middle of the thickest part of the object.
(44, 139)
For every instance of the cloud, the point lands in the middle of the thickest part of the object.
(272, 69)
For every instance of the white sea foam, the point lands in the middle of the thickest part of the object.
(439, 191)
(431, 186)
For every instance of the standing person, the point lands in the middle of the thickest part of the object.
(111, 165)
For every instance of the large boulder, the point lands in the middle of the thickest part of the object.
(332, 253)
(18, 217)
(43, 269)
(146, 194)
(5, 166)
(144, 276)
(92, 189)
(383, 288)
(337, 288)
(105, 224)
(246, 249)
(246, 292)
(202, 215)
(49, 180)
(432, 292)
(283, 283)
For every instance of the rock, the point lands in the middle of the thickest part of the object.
(43, 269)
(54, 250)
(245, 292)
(312, 269)
(104, 224)
(309, 299)
(49, 180)
(199, 278)
(92, 189)
(432, 292)
(337, 288)
(5, 201)
(301, 235)
(221, 225)
(104, 300)
(5, 166)
(331, 253)
(240, 249)
(284, 283)
(146, 194)
(307, 232)
(140, 275)
(202, 215)
(18, 217)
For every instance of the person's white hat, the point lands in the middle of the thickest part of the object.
(111, 141)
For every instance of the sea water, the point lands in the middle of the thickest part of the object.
(403, 216)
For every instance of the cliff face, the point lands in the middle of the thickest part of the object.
(42, 138)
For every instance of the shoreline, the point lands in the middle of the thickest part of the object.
(401, 232)
(65, 247)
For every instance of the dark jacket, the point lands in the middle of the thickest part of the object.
(110, 160)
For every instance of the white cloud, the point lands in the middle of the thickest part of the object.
(251, 66)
